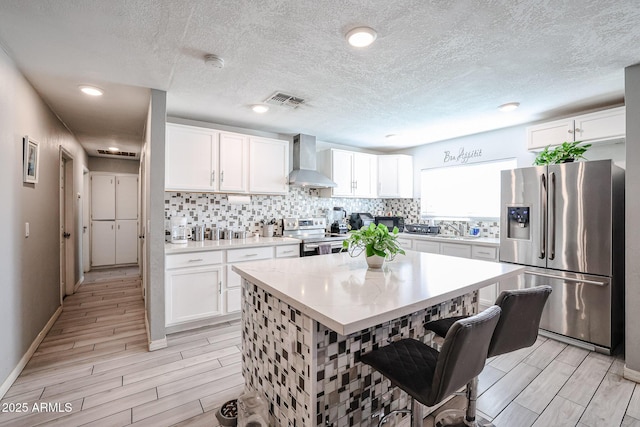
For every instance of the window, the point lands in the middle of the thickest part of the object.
(465, 191)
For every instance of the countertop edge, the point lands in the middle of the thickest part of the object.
(220, 245)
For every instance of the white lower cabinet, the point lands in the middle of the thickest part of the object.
(426, 246)
(232, 292)
(487, 295)
(192, 293)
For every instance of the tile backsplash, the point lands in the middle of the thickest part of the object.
(213, 208)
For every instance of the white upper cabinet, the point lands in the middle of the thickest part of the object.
(269, 166)
(601, 126)
(354, 173)
(202, 159)
(234, 163)
(103, 197)
(191, 158)
(395, 176)
(127, 197)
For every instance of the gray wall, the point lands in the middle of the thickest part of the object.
(632, 244)
(30, 271)
(104, 164)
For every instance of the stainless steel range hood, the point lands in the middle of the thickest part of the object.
(304, 172)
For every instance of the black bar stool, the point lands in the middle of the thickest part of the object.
(517, 328)
(429, 376)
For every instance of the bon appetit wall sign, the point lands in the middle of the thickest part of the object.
(462, 156)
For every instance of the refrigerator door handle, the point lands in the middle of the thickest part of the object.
(566, 279)
(543, 215)
(552, 215)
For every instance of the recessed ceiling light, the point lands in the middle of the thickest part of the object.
(505, 108)
(260, 108)
(361, 36)
(91, 90)
(113, 149)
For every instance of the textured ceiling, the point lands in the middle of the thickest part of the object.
(437, 70)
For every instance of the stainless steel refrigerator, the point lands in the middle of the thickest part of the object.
(566, 223)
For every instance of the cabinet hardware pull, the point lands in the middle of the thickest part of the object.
(251, 255)
(196, 260)
(222, 176)
(484, 253)
(570, 130)
(578, 130)
(286, 252)
(213, 177)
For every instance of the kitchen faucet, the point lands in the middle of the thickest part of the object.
(455, 229)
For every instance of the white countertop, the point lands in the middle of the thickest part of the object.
(341, 293)
(485, 241)
(212, 245)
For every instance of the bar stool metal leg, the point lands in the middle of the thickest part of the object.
(416, 412)
(467, 418)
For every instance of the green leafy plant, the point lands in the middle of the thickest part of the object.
(373, 240)
(566, 152)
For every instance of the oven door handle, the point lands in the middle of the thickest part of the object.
(333, 246)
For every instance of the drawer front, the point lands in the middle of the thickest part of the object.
(193, 259)
(287, 251)
(454, 249)
(429, 247)
(405, 243)
(485, 252)
(249, 254)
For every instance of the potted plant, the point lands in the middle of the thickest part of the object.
(377, 242)
(564, 153)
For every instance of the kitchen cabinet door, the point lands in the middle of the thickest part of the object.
(103, 197)
(126, 247)
(234, 164)
(103, 243)
(127, 197)
(364, 169)
(550, 133)
(192, 294)
(191, 158)
(395, 176)
(600, 125)
(342, 173)
(268, 166)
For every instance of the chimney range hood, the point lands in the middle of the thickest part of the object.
(304, 172)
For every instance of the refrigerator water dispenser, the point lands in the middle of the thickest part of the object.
(518, 222)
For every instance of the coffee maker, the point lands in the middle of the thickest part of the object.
(180, 233)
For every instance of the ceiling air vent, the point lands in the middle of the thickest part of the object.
(117, 153)
(284, 100)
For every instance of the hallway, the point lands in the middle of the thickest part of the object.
(93, 367)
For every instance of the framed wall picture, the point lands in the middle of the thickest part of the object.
(31, 154)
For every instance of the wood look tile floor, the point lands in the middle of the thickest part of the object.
(95, 361)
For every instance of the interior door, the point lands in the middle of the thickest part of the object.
(580, 220)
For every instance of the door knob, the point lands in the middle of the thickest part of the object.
(66, 235)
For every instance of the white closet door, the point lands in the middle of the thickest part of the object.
(103, 243)
(127, 197)
(126, 248)
(103, 197)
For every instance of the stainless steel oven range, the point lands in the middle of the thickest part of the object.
(312, 232)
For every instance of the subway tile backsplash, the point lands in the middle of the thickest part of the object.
(213, 208)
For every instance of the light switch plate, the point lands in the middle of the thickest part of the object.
(26, 229)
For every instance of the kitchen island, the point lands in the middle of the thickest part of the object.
(306, 321)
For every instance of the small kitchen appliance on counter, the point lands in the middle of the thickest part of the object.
(180, 233)
(360, 219)
(391, 221)
(338, 221)
(312, 232)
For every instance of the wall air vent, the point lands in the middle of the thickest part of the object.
(117, 153)
(284, 100)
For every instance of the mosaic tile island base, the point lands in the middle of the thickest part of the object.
(310, 373)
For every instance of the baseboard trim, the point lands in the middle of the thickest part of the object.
(153, 344)
(77, 285)
(631, 374)
(27, 356)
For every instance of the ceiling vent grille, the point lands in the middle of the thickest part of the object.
(117, 153)
(284, 100)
